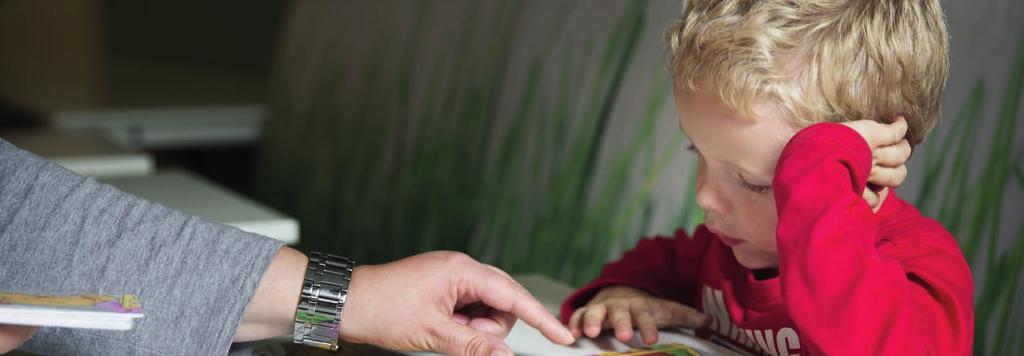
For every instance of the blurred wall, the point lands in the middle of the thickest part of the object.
(87, 54)
(51, 53)
(190, 52)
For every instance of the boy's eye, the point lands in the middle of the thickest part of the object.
(690, 147)
(759, 189)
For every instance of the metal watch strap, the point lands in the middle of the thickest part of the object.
(318, 317)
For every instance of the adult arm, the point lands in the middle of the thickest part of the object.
(204, 285)
(440, 301)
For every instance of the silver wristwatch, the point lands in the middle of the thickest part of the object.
(318, 318)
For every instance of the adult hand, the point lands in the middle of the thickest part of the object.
(889, 154)
(441, 301)
(12, 336)
(621, 308)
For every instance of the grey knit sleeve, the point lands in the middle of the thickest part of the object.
(61, 233)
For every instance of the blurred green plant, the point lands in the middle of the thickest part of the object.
(415, 162)
(560, 220)
(972, 210)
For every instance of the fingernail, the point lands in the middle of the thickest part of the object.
(568, 336)
(500, 353)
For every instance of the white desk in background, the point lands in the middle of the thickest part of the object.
(86, 153)
(187, 192)
(168, 127)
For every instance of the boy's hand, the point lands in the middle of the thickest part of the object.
(889, 155)
(622, 307)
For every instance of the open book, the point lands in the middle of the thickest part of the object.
(527, 341)
(673, 349)
(85, 311)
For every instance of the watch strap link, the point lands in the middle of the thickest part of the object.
(324, 290)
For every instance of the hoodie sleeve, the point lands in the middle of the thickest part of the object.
(651, 266)
(844, 296)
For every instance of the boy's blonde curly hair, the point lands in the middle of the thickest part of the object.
(820, 60)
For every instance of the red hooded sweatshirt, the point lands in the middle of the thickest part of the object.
(850, 282)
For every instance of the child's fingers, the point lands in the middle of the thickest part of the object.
(685, 316)
(878, 134)
(646, 323)
(574, 322)
(888, 177)
(888, 134)
(892, 155)
(872, 198)
(593, 318)
(622, 322)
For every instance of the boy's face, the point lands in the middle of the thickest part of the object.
(736, 163)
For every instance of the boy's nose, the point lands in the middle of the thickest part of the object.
(709, 199)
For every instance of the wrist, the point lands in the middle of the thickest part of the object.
(271, 310)
(355, 306)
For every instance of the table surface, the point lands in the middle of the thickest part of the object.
(182, 190)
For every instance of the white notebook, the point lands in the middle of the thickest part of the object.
(87, 311)
(527, 341)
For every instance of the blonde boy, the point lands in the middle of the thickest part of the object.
(802, 114)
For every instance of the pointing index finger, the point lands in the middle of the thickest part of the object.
(505, 294)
